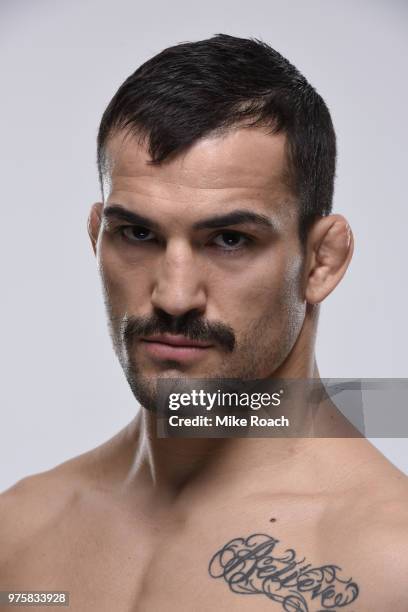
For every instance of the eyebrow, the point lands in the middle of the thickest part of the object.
(235, 217)
(115, 211)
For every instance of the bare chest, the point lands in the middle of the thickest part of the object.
(211, 562)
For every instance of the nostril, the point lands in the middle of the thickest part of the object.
(178, 302)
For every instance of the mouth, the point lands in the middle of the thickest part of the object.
(175, 347)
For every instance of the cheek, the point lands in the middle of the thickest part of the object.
(125, 286)
(269, 293)
(276, 315)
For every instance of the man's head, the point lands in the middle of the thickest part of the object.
(217, 163)
(191, 90)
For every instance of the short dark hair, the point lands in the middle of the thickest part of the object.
(193, 89)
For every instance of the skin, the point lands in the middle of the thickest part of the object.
(178, 270)
(133, 524)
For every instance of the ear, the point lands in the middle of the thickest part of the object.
(94, 223)
(330, 247)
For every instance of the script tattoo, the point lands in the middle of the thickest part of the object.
(251, 566)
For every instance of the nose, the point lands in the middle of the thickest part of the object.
(178, 285)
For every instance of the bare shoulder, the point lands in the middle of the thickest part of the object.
(32, 503)
(371, 532)
(382, 541)
(36, 503)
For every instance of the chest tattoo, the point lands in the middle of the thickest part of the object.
(254, 566)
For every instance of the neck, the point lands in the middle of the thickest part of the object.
(171, 464)
(173, 469)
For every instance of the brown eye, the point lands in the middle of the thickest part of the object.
(230, 240)
(135, 233)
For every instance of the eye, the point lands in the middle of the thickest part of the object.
(136, 233)
(231, 241)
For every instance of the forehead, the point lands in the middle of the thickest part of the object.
(245, 163)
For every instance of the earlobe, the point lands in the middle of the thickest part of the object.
(94, 223)
(330, 248)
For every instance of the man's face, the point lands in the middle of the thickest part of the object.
(215, 259)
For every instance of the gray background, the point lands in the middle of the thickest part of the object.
(62, 391)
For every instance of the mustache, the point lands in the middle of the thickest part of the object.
(189, 325)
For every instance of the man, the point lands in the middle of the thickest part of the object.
(215, 245)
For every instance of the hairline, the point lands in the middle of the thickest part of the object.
(136, 131)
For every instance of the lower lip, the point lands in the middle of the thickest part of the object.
(170, 352)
